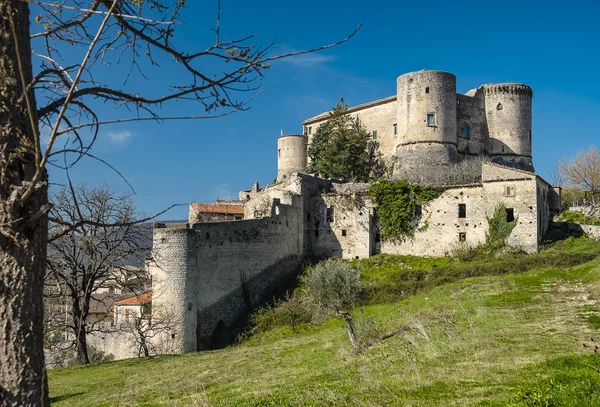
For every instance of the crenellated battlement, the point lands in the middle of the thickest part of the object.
(507, 88)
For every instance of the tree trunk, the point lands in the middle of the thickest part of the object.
(80, 334)
(23, 225)
(350, 327)
(82, 351)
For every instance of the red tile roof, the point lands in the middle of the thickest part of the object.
(219, 208)
(137, 300)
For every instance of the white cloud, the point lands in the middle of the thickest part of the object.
(120, 137)
(310, 60)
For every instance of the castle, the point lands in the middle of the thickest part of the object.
(428, 124)
(209, 275)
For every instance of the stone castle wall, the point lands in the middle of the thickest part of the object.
(212, 275)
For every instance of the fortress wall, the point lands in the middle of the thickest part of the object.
(240, 265)
(524, 202)
(346, 233)
(469, 113)
(440, 225)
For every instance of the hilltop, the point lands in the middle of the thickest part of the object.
(513, 330)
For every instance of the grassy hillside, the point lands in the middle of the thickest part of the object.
(508, 337)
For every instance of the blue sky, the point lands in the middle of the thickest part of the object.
(553, 46)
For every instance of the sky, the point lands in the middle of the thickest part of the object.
(552, 46)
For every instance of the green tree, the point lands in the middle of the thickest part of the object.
(335, 285)
(341, 148)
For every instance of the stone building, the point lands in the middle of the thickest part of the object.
(210, 275)
(216, 212)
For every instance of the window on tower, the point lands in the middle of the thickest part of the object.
(427, 89)
(395, 129)
(374, 134)
(431, 119)
(467, 133)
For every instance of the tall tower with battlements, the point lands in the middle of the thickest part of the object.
(508, 117)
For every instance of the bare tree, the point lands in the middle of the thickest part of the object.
(557, 176)
(96, 255)
(151, 328)
(584, 172)
(63, 95)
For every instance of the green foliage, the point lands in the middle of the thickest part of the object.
(341, 148)
(578, 217)
(333, 285)
(391, 278)
(571, 196)
(499, 229)
(290, 311)
(575, 381)
(398, 204)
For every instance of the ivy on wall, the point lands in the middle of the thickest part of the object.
(499, 228)
(398, 206)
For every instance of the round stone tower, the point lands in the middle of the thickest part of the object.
(291, 155)
(426, 120)
(508, 113)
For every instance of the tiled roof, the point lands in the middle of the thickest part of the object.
(352, 109)
(137, 300)
(219, 208)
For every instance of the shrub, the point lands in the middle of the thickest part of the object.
(336, 286)
(499, 229)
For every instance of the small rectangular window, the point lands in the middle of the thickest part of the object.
(330, 214)
(316, 233)
(309, 130)
(374, 134)
(343, 232)
(462, 210)
(431, 119)
(395, 129)
(308, 216)
(510, 215)
(510, 191)
(462, 237)
(467, 133)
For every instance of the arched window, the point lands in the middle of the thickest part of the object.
(499, 107)
(427, 89)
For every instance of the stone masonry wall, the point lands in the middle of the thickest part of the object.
(212, 276)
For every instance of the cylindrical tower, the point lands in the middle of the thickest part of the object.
(174, 272)
(291, 155)
(426, 119)
(508, 113)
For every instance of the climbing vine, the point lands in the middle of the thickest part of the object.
(499, 228)
(398, 206)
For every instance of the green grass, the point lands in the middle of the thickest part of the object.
(500, 338)
(578, 217)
